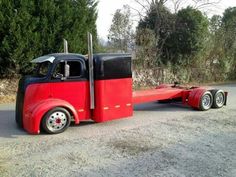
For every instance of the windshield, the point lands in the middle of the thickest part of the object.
(42, 69)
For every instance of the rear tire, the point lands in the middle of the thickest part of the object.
(206, 101)
(218, 98)
(56, 120)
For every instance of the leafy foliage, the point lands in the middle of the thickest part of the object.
(229, 26)
(188, 39)
(161, 21)
(229, 38)
(178, 35)
(30, 28)
(191, 30)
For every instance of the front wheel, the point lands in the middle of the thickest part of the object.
(56, 120)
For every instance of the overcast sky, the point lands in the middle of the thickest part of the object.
(106, 9)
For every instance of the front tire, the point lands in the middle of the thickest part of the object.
(56, 120)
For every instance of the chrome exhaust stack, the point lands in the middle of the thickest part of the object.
(91, 73)
(65, 46)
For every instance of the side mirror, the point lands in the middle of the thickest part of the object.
(67, 70)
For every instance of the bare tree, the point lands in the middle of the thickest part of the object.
(176, 5)
(199, 4)
(157, 21)
(203, 5)
(207, 6)
(121, 33)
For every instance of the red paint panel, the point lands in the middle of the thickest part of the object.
(76, 93)
(185, 96)
(45, 96)
(113, 99)
(34, 95)
(34, 114)
(195, 97)
(144, 96)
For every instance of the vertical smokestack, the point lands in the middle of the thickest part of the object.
(91, 77)
(65, 46)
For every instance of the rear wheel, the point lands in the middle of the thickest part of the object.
(206, 101)
(56, 120)
(218, 98)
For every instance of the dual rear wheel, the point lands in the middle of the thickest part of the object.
(212, 99)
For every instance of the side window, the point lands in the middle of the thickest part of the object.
(59, 71)
(75, 69)
(42, 69)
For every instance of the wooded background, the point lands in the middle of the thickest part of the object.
(183, 44)
(31, 28)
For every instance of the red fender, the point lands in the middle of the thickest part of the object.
(34, 114)
(195, 97)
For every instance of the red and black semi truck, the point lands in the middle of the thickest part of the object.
(72, 87)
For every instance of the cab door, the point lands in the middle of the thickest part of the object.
(73, 89)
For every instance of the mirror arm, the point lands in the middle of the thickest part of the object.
(63, 78)
(67, 70)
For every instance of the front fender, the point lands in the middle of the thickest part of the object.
(34, 114)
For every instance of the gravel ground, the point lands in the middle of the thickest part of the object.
(159, 140)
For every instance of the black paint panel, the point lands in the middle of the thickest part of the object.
(112, 66)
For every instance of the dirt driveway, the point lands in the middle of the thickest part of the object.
(159, 140)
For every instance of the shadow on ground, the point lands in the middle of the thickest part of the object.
(162, 107)
(83, 123)
(8, 126)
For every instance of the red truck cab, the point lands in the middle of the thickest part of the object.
(51, 98)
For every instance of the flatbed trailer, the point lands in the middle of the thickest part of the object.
(168, 93)
(191, 96)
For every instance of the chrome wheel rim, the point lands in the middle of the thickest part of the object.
(206, 101)
(56, 121)
(219, 99)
